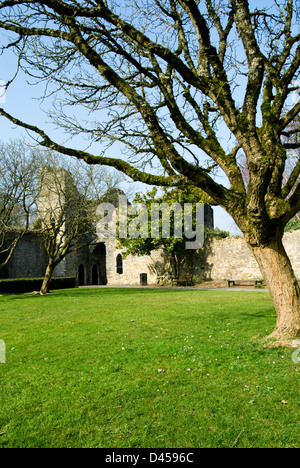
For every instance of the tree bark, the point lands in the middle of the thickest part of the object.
(47, 279)
(174, 264)
(283, 286)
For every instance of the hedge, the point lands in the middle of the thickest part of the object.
(24, 285)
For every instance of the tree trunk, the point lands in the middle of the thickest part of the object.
(174, 264)
(281, 281)
(47, 279)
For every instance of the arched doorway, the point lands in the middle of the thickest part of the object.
(99, 261)
(95, 275)
(81, 275)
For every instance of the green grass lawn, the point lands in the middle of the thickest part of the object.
(82, 371)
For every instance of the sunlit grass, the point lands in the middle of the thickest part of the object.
(82, 371)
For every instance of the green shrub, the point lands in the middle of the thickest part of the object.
(217, 233)
(24, 285)
(63, 283)
(292, 225)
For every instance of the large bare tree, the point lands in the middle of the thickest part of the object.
(183, 86)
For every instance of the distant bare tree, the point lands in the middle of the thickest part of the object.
(96, 180)
(67, 207)
(19, 169)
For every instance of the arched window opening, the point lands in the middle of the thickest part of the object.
(119, 264)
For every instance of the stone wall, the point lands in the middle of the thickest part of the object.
(29, 259)
(133, 266)
(231, 258)
(219, 259)
(292, 244)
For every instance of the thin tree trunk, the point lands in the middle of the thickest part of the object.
(10, 251)
(281, 281)
(174, 264)
(47, 279)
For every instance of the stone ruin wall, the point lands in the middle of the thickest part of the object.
(133, 266)
(231, 258)
(29, 259)
(219, 259)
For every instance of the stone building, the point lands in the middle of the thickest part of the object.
(102, 262)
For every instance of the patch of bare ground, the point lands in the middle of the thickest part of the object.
(212, 284)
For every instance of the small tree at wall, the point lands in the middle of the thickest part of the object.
(174, 245)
